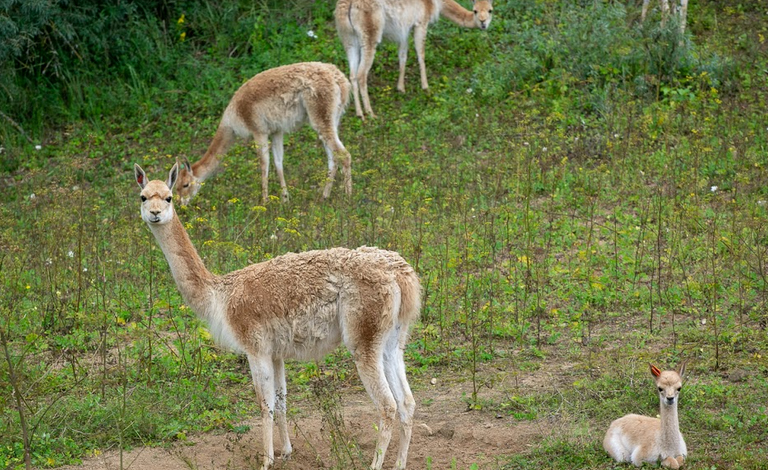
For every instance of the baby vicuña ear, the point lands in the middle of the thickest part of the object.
(141, 177)
(681, 369)
(655, 370)
(173, 175)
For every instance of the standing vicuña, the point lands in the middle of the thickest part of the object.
(361, 24)
(637, 439)
(269, 105)
(681, 10)
(301, 306)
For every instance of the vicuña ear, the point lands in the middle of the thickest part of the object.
(173, 175)
(186, 164)
(141, 177)
(681, 369)
(654, 370)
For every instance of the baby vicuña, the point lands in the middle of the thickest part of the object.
(637, 439)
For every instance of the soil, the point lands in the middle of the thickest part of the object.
(446, 435)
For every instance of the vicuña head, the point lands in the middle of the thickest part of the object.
(483, 11)
(637, 439)
(300, 306)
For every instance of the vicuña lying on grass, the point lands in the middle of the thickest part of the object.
(361, 24)
(637, 439)
(300, 306)
(681, 10)
(267, 106)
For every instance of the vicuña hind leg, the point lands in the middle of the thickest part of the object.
(394, 368)
(371, 371)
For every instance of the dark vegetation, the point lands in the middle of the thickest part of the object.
(576, 187)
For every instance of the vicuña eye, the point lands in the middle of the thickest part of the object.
(661, 389)
(169, 198)
(475, 11)
(186, 185)
(143, 198)
(679, 388)
(490, 12)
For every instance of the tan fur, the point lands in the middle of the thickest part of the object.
(681, 10)
(362, 24)
(637, 439)
(267, 106)
(301, 306)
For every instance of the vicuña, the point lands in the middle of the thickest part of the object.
(361, 24)
(268, 106)
(300, 306)
(681, 10)
(637, 439)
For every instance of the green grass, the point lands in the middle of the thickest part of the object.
(588, 205)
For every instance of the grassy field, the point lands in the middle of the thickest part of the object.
(575, 188)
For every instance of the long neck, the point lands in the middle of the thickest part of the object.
(670, 427)
(458, 14)
(193, 280)
(221, 142)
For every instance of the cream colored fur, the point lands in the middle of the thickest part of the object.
(362, 24)
(301, 306)
(681, 9)
(269, 105)
(637, 439)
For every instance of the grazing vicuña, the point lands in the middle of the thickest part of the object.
(269, 105)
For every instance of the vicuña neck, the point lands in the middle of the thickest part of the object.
(457, 14)
(205, 167)
(670, 428)
(194, 281)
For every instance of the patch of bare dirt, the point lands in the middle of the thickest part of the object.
(445, 436)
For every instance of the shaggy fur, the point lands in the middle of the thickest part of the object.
(301, 306)
(362, 24)
(267, 106)
(639, 439)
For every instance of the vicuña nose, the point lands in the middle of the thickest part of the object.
(154, 212)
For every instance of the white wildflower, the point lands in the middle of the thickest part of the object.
(32, 196)
(543, 149)
(469, 90)
(311, 34)
(761, 202)
(70, 253)
(713, 188)
(38, 147)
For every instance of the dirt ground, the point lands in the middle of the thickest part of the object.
(446, 436)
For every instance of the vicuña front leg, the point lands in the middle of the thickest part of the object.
(262, 148)
(419, 40)
(277, 156)
(262, 371)
(281, 407)
(670, 462)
